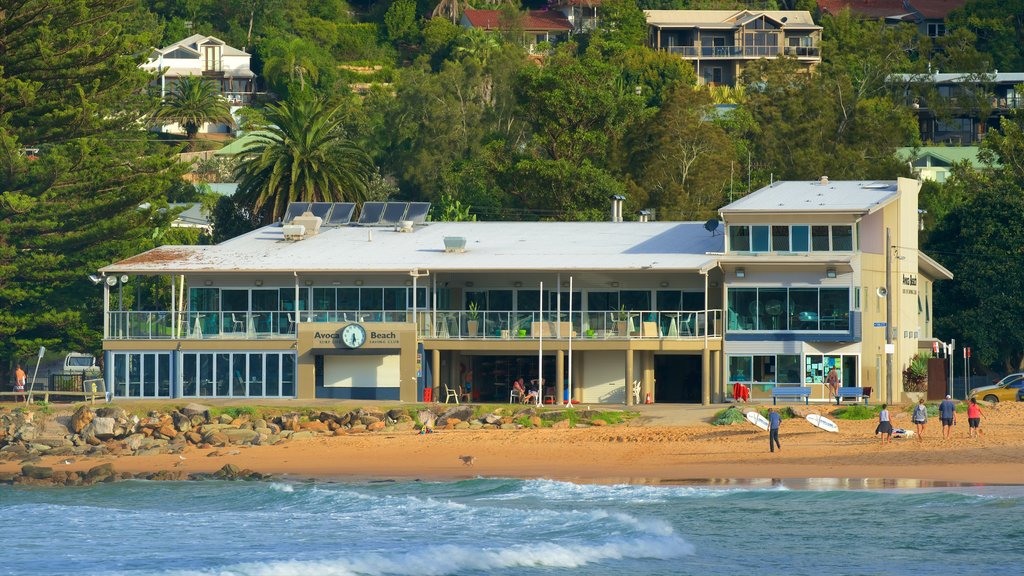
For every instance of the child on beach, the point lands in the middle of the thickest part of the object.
(974, 419)
(884, 425)
(920, 418)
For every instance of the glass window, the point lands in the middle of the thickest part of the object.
(602, 301)
(529, 300)
(764, 368)
(232, 300)
(742, 309)
(819, 238)
(188, 375)
(842, 238)
(499, 300)
(814, 370)
(287, 298)
(788, 368)
(163, 379)
(394, 298)
(134, 375)
(554, 303)
(739, 238)
(149, 374)
(287, 375)
(272, 375)
(205, 374)
(834, 308)
(780, 238)
(772, 309)
(264, 300)
(325, 299)
(635, 299)
(120, 382)
(669, 300)
(255, 375)
(348, 299)
(421, 298)
(370, 299)
(238, 365)
(204, 299)
(693, 301)
(740, 368)
(760, 238)
(801, 238)
(223, 384)
(803, 309)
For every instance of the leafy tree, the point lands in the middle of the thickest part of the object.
(400, 22)
(450, 9)
(193, 102)
(82, 183)
(287, 60)
(623, 22)
(868, 51)
(304, 155)
(998, 26)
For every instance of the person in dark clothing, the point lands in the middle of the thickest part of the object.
(947, 414)
(774, 420)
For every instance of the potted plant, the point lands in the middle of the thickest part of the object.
(621, 320)
(473, 322)
(915, 378)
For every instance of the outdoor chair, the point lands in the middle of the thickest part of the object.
(450, 394)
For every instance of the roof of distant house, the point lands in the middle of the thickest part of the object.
(947, 154)
(727, 19)
(588, 3)
(907, 10)
(235, 148)
(194, 41)
(844, 196)
(533, 20)
(951, 77)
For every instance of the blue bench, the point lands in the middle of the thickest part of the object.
(801, 392)
(852, 392)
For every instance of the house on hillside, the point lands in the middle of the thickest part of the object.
(935, 162)
(582, 14)
(928, 15)
(209, 57)
(537, 25)
(721, 42)
(957, 108)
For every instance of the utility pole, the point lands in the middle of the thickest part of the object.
(888, 317)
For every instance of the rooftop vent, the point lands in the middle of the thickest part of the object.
(293, 232)
(454, 244)
(823, 180)
(404, 226)
(310, 222)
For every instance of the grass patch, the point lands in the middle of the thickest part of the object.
(857, 412)
(731, 415)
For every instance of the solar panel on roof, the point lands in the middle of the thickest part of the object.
(418, 212)
(295, 209)
(341, 214)
(321, 209)
(371, 212)
(393, 213)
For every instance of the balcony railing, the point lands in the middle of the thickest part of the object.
(157, 325)
(760, 51)
(720, 51)
(506, 325)
(803, 51)
(691, 51)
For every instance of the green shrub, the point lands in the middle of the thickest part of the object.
(361, 42)
(857, 412)
(730, 415)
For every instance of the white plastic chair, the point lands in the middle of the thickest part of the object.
(237, 325)
(450, 394)
(515, 396)
(636, 391)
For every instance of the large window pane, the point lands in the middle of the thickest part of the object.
(842, 238)
(739, 238)
(223, 384)
(149, 374)
(764, 368)
(788, 368)
(742, 309)
(780, 238)
(234, 300)
(819, 238)
(204, 299)
(134, 374)
(814, 369)
(635, 299)
(120, 374)
(188, 375)
(801, 238)
(670, 300)
(693, 301)
(759, 238)
(478, 298)
(286, 298)
(740, 368)
(834, 308)
(529, 300)
(772, 309)
(325, 299)
(163, 380)
(265, 300)
(394, 298)
(287, 375)
(602, 301)
(348, 299)
(499, 300)
(371, 299)
(554, 302)
(272, 375)
(238, 365)
(421, 298)
(803, 308)
(255, 374)
(205, 374)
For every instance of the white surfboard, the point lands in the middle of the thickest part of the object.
(820, 421)
(757, 420)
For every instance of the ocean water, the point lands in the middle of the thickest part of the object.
(509, 527)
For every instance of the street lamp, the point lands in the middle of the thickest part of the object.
(118, 281)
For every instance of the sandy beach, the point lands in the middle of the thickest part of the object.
(637, 453)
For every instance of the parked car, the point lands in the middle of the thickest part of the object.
(1006, 390)
(1020, 395)
(80, 363)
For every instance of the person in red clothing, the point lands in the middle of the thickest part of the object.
(974, 419)
(19, 383)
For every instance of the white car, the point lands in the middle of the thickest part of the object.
(80, 363)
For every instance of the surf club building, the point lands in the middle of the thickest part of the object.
(392, 307)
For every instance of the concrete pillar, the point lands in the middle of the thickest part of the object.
(705, 377)
(577, 376)
(629, 377)
(559, 377)
(648, 386)
(716, 364)
(435, 371)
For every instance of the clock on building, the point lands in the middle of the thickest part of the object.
(353, 335)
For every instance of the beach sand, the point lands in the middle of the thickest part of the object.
(646, 453)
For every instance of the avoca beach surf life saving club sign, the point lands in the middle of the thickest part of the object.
(355, 336)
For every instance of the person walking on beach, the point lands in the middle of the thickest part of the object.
(19, 384)
(833, 383)
(920, 418)
(774, 420)
(974, 419)
(884, 425)
(947, 414)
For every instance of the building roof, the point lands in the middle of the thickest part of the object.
(908, 10)
(929, 267)
(175, 72)
(844, 196)
(235, 148)
(514, 246)
(532, 20)
(948, 154)
(588, 3)
(956, 77)
(935, 9)
(725, 18)
(194, 41)
(192, 216)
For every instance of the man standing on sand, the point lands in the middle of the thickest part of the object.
(833, 383)
(774, 420)
(19, 383)
(947, 414)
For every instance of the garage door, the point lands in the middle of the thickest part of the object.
(361, 377)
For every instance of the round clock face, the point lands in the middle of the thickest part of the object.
(353, 335)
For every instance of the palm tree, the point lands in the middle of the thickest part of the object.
(293, 58)
(302, 156)
(194, 102)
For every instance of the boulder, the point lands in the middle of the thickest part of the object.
(168, 430)
(368, 419)
(182, 423)
(463, 413)
(112, 412)
(508, 426)
(426, 418)
(802, 411)
(226, 419)
(193, 437)
(375, 426)
(239, 435)
(133, 442)
(313, 425)
(81, 418)
(216, 438)
(228, 472)
(598, 422)
(328, 417)
(194, 409)
(101, 473)
(101, 427)
(37, 472)
(301, 435)
(560, 424)
(492, 419)
(396, 414)
(535, 421)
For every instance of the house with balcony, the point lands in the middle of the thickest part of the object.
(721, 42)
(393, 307)
(958, 108)
(198, 55)
(928, 15)
(582, 14)
(936, 163)
(536, 25)
(806, 290)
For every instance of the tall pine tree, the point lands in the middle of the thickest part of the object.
(81, 181)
